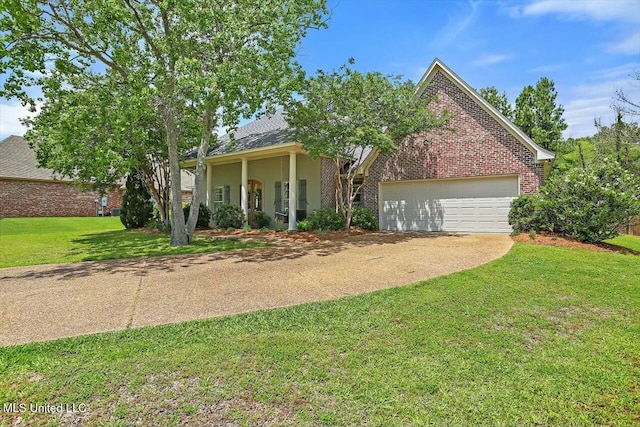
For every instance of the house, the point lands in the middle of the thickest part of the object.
(458, 180)
(27, 190)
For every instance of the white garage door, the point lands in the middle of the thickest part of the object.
(478, 205)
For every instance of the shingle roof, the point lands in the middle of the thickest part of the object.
(17, 160)
(266, 131)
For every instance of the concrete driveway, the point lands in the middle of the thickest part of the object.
(47, 302)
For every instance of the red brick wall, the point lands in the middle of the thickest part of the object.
(22, 198)
(477, 145)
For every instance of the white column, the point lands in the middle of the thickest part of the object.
(209, 187)
(293, 189)
(244, 200)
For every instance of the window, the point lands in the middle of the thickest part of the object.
(221, 194)
(218, 197)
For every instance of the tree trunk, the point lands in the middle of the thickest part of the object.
(179, 236)
(196, 197)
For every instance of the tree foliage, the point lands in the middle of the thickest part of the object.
(344, 114)
(538, 116)
(198, 63)
(498, 100)
(590, 204)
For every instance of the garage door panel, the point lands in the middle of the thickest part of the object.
(476, 205)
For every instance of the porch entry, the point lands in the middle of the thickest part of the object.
(254, 196)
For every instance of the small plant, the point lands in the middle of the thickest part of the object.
(204, 215)
(246, 228)
(527, 213)
(230, 229)
(303, 225)
(326, 219)
(264, 229)
(259, 220)
(228, 215)
(280, 229)
(532, 234)
(364, 218)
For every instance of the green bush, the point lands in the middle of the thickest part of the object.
(228, 216)
(136, 209)
(364, 218)
(303, 225)
(326, 219)
(527, 214)
(259, 220)
(204, 215)
(591, 204)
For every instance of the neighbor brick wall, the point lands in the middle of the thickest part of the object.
(477, 145)
(25, 198)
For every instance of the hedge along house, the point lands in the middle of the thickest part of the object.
(27, 190)
(458, 179)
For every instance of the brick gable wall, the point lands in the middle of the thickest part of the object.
(24, 198)
(475, 145)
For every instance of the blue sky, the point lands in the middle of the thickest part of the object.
(587, 47)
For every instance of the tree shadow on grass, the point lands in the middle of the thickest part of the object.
(140, 253)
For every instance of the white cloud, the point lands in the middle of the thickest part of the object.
(10, 115)
(629, 45)
(593, 101)
(455, 26)
(598, 10)
(489, 59)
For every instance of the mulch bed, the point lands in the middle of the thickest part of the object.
(551, 239)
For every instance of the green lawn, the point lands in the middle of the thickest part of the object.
(30, 241)
(626, 241)
(542, 336)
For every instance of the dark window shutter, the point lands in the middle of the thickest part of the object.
(227, 194)
(278, 194)
(302, 194)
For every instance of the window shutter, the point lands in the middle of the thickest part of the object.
(227, 194)
(302, 194)
(278, 194)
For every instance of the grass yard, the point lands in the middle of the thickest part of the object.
(31, 241)
(542, 336)
(626, 241)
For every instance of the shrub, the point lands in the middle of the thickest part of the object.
(204, 215)
(228, 216)
(591, 204)
(326, 219)
(527, 214)
(364, 218)
(136, 209)
(259, 220)
(264, 229)
(303, 225)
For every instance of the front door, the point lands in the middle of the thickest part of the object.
(255, 197)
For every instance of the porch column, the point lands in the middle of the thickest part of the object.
(293, 188)
(244, 200)
(209, 186)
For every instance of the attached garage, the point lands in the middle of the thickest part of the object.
(479, 205)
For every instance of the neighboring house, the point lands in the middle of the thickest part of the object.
(458, 179)
(27, 190)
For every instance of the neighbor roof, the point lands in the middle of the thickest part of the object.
(17, 160)
(437, 65)
(266, 131)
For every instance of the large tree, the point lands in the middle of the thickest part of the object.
(538, 116)
(97, 134)
(200, 63)
(498, 100)
(345, 114)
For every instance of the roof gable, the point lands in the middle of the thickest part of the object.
(18, 160)
(437, 66)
